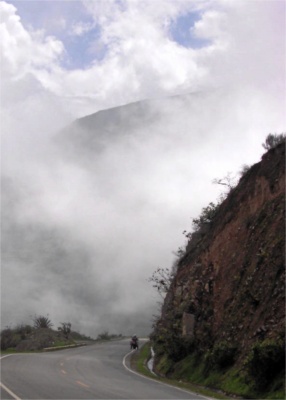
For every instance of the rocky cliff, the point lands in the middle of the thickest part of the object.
(229, 289)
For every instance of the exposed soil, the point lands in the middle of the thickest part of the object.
(232, 277)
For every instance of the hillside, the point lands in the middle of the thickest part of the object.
(223, 318)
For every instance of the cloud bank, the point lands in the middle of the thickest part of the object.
(89, 212)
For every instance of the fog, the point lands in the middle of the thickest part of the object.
(92, 206)
(89, 213)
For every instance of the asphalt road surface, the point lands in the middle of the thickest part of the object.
(99, 371)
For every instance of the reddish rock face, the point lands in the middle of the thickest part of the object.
(232, 277)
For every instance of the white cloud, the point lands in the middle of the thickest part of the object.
(139, 59)
(124, 208)
(23, 52)
(250, 43)
(80, 28)
(212, 25)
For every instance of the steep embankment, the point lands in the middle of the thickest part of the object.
(226, 304)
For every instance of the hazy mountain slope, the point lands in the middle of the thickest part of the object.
(195, 121)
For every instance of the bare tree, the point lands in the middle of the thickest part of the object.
(162, 279)
(229, 181)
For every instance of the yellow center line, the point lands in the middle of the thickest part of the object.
(82, 384)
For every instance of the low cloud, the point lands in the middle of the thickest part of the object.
(91, 209)
(102, 205)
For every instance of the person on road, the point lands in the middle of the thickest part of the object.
(134, 342)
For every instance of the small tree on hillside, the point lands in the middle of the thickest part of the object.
(162, 279)
(229, 181)
(42, 322)
(206, 216)
(244, 169)
(65, 329)
(272, 140)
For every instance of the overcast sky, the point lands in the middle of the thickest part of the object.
(75, 226)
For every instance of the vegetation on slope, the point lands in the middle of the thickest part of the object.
(40, 335)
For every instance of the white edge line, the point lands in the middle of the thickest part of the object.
(10, 392)
(155, 380)
(5, 387)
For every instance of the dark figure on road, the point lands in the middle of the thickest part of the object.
(134, 342)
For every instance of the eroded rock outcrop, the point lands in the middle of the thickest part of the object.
(231, 280)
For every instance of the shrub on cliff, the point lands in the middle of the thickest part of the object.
(179, 347)
(272, 140)
(173, 344)
(206, 216)
(265, 361)
(221, 356)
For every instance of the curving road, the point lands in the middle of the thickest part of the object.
(99, 371)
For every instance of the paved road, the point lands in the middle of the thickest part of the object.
(92, 372)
